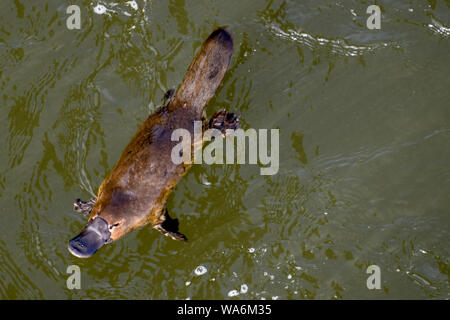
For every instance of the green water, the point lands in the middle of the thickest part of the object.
(364, 178)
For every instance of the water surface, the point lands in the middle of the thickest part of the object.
(364, 178)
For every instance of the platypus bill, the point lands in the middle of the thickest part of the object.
(136, 190)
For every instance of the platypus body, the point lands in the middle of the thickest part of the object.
(136, 190)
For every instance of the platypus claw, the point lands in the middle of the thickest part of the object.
(174, 235)
(83, 206)
(223, 120)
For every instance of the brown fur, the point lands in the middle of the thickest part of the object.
(135, 191)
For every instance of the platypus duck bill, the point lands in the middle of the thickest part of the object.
(90, 239)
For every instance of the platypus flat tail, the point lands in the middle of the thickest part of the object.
(205, 72)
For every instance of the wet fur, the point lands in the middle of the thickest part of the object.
(136, 190)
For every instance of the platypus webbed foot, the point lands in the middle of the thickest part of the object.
(168, 96)
(223, 120)
(84, 206)
(169, 227)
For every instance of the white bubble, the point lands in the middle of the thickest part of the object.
(251, 250)
(200, 270)
(188, 283)
(233, 293)
(289, 276)
(100, 9)
(244, 288)
(275, 298)
(133, 4)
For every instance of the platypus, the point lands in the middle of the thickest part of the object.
(135, 191)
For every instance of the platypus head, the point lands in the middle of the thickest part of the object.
(104, 226)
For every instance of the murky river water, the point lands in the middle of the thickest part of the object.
(364, 119)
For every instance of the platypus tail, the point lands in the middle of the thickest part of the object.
(205, 72)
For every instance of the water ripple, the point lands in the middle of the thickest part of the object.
(337, 46)
(14, 284)
(439, 28)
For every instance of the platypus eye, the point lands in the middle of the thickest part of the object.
(114, 225)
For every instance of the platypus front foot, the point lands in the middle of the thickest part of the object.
(169, 227)
(84, 206)
(168, 96)
(223, 120)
